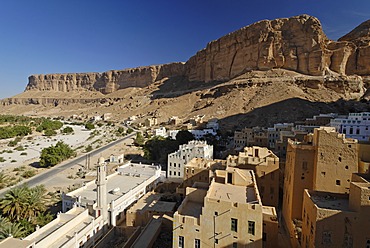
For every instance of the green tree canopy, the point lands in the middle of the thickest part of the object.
(139, 140)
(49, 124)
(89, 126)
(184, 136)
(53, 155)
(67, 130)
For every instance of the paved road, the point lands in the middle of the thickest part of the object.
(38, 179)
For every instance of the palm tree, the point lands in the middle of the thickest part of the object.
(3, 221)
(35, 204)
(12, 230)
(4, 180)
(13, 203)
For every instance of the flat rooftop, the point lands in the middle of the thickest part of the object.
(192, 208)
(231, 193)
(118, 184)
(152, 202)
(328, 200)
(63, 219)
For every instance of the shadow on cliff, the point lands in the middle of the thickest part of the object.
(178, 86)
(290, 110)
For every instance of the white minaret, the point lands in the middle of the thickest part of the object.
(101, 190)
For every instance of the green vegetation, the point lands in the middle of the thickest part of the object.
(67, 130)
(53, 155)
(88, 148)
(13, 131)
(130, 130)
(14, 142)
(13, 161)
(49, 124)
(2, 159)
(139, 140)
(89, 126)
(14, 119)
(28, 173)
(19, 148)
(22, 209)
(184, 136)
(23, 154)
(50, 132)
(120, 131)
(158, 148)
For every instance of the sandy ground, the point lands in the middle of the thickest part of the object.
(69, 178)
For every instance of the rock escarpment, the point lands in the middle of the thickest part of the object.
(297, 44)
(106, 82)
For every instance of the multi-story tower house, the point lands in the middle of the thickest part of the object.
(265, 165)
(186, 152)
(325, 161)
(337, 220)
(228, 213)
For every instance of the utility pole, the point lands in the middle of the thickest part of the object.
(214, 226)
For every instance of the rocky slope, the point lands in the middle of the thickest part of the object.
(277, 70)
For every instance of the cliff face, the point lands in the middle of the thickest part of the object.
(106, 82)
(296, 43)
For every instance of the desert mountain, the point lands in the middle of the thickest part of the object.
(270, 71)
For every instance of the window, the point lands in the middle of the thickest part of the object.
(251, 225)
(264, 236)
(174, 164)
(235, 245)
(197, 243)
(179, 173)
(348, 240)
(326, 238)
(368, 243)
(216, 241)
(271, 190)
(174, 173)
(234, 225)
(170, 173)
(230, 178)
(181, 241)
(304, 165)
(337, 182)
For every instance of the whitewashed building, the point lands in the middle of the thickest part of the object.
(177, 160)
(355, 126)
(161, 131)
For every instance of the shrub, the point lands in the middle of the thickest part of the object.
(50, 132)
(2, 159)
(89, 126)
(49, 124)
(28, 173)
(19, 148)
(67, 130)
(24, 154)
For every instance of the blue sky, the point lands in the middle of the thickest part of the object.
(43, 36)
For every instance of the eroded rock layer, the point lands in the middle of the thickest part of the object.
(297, 44)
(106, 82)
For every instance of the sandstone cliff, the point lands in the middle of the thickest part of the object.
(297, 43)
(106, 82)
